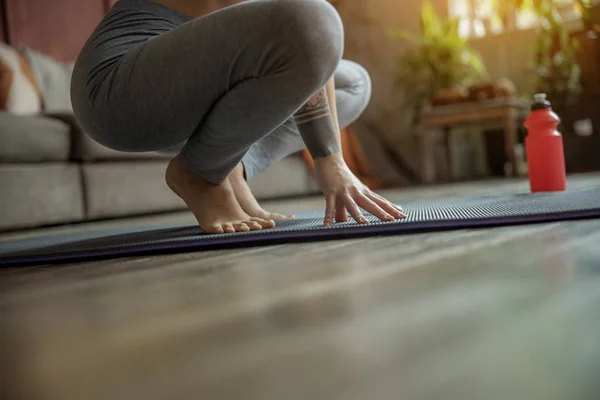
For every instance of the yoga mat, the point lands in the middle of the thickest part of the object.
(458, 213)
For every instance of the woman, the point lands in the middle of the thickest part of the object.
(234, 91)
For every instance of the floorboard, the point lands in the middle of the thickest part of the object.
(506, 313)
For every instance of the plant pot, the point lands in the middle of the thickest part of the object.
(449, 96)
(486, 90)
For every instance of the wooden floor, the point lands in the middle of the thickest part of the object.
(509, 313)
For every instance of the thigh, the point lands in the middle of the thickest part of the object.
(168, 86)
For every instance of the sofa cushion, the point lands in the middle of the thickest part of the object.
(54, 79)
(127, 188)
(33, 139)
(288, 177)
(39, 194)
(19, 93)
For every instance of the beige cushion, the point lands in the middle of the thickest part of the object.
(127, 188)
(54, 80)
(19, 93)
(39, 194)
(289, 177)
(33, 139)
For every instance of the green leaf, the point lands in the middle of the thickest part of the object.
(453, 28)
(430, 22)
(405, 35)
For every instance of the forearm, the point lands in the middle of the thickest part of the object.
(318, 125)
(332, 101)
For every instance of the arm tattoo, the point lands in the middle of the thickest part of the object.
(316, 126)
(317, 107)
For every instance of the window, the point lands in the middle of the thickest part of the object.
(484, 17)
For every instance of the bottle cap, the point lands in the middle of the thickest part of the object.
(540, 102)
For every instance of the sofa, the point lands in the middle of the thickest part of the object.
(52, 172)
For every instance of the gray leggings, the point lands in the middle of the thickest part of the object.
(223, 88)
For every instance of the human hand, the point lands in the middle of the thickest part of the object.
(344, 193)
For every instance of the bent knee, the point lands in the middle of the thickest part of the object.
(354, 78)
(313, 31)
(363, 86)
(353, 88)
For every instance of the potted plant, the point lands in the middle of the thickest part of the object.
(506, 12)
(568, 69)
(588, 40)
(557, 70)
(590, 14)
(441, 59)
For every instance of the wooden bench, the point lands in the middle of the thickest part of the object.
(507, 112)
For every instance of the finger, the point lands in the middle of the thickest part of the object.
(341, 215)
(386, 206)
(329, 211)
(354, 210)
(397, 207)
(368, 205)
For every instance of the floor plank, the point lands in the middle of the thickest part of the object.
(506, 313)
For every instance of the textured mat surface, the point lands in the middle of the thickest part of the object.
(457, 213)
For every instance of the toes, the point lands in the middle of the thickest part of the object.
(281, 217)
(253, 225)
(266, 224)
(228, 228)
(241, 227)
(214, 229)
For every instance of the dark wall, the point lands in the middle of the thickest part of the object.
(58, 28)
(2, 26)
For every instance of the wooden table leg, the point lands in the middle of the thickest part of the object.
(427, 157)
(510, 138)
(450, 153)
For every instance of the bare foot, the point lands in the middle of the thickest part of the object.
(214, 206)
(247, 201)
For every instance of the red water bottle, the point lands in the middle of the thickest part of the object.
(544, 146)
